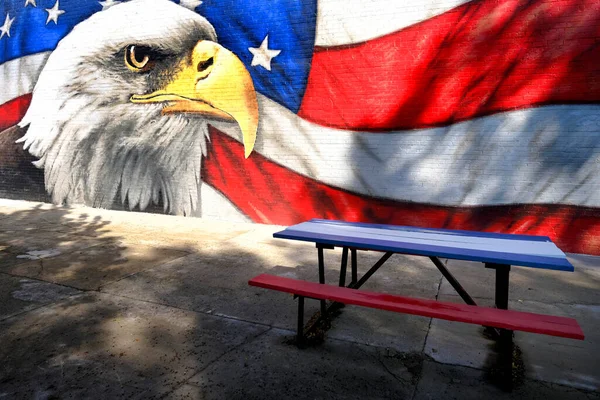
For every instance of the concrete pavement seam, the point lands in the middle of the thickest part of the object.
(52, 283)
(426, 336)
(190, 310)
(550, 385)
(590, 393)
(99, 289)
(40, 307)
(396, 377)
(245, 342)
(291, 330)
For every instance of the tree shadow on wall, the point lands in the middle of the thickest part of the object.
(534, 164)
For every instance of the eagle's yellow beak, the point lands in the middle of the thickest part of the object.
(215, 83)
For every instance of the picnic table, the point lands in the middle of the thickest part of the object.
(494, 250)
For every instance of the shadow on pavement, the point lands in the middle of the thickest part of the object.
(101, 308)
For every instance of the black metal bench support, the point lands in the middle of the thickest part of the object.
(489, 331)
(452, 280)
(505, 339)
(322, 277)
(503, 336)
(354, 265)
(355, 283)
(502, 278)
(370, 272)
(300, 333)
(343, 267)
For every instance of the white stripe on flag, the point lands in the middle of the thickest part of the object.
(342, 22)
(537, 155)
(339, 22)
(216, 206)
(18, 76)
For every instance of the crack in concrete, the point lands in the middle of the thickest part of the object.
(48, 282)
(209, 313)
(8, 317)
(189, 253)
(426, 336)
(589, 393)
(212, 362)
(396, 377)
(67, 297)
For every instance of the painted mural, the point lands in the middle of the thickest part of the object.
(479, 115)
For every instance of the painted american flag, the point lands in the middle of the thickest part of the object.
(461, 114)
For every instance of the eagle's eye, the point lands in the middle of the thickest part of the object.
(139, 58)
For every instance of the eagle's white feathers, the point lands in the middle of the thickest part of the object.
(94, 144)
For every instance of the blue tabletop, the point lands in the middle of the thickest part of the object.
(521, 250)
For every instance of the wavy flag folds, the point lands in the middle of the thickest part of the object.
(476, 115)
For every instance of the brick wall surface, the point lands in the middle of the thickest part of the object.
(478, 115)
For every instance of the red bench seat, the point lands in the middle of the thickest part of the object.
(492, 317)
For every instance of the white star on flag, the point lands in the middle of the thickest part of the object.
(5, 29)
(263, 55)
(54, 13)
(28, 2)
(108, 4)
(191, 4)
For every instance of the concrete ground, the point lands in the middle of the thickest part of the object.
(107, 304)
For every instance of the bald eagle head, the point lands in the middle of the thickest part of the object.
(121, 109)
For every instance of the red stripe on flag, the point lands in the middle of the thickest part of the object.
(12, 111)
(477, 59)
(270, 193)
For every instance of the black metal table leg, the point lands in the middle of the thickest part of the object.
(314, 322)
(354, 267)
(343, 267)
(322, 279)
(328, 312)
(502, 278)
(300, 333)
(505, 341)
(505, 344)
